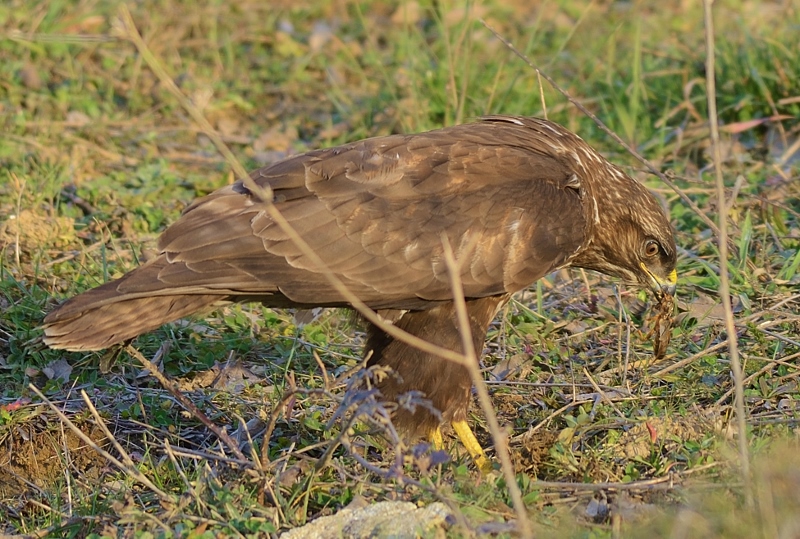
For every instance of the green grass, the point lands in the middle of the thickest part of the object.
(96, 158)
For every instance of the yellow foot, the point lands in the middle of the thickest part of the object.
(467, 438)
(473, 447)
(436, 439)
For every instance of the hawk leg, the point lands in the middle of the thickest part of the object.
(446, 384)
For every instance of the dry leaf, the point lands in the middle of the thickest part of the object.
(58, 370)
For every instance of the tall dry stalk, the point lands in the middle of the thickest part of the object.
(722, 241)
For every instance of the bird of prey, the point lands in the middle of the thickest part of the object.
(527, 195)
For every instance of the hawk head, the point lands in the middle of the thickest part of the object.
(631, 237)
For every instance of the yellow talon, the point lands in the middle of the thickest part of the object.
(473, 447)
(436, 439)
(467, 438)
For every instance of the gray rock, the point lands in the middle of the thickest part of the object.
(395, 520)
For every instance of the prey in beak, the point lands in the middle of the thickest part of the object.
(661, 286)
(661, 322)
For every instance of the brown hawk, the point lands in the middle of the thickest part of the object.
(529, 195)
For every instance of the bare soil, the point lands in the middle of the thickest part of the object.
(39, 457)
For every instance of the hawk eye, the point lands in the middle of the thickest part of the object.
(651, 248)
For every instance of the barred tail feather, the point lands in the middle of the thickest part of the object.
(100, 325)
(119, 310)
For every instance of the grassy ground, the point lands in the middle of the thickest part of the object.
(98, 157)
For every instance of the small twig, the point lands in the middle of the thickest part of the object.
(790, 151)
(646, 484)
(190, 406)
(623, 313)
(341, 439)
(187, 484)
(603, 395)
(771, 363)
(20, 188)
(246, 428)
(722, 235)
(19, 35)
(325, 380)
(205, 455)
(102, 424)
(277, 410)
(520, 383)
(541, 94)
(778, 336)
(75, 254)
(686, 361)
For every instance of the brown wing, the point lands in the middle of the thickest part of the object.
(375, 212)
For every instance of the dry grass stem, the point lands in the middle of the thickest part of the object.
(130, 470)
(603, 395)
(190, 407)
(722, 235)
(471, 362)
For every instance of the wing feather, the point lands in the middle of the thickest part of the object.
(376, 212)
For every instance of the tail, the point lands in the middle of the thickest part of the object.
(121, 310)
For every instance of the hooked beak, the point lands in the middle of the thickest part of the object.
(662, 287)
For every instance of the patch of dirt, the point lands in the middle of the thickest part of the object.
(669, 432)
(31, 459)
(533, 452)
(32, 232)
